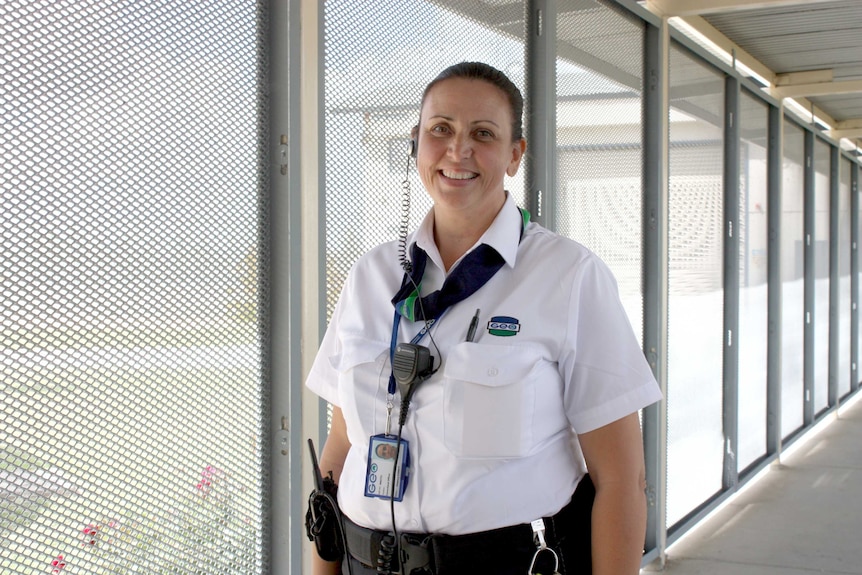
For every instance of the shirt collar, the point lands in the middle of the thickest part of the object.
(504, 234)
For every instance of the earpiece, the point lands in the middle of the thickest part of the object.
(414, 142)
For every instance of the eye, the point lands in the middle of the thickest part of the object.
(439, 129)
(484, 134)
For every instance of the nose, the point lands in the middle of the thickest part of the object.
(460, 146)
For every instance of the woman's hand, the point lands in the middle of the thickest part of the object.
(615, 460)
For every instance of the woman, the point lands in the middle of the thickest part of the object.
(536, 376)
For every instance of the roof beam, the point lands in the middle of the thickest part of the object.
(711, 33)
(671, 8)
(849, 124)
(850, 129)
(820, 89)
(806, 77)
(849, 134)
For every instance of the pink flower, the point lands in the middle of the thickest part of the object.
(208, 475)
(91, 534)
(58, 564)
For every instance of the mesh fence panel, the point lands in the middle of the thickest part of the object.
(378, 57)
(822, 203)
(844, 376)
(130, 345)
(753, 234)
(695, 284)
(792, 278)
(599, 89)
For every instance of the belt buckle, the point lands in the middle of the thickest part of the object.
(415, 553)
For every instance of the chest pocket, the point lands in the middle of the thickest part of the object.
(363, 376)
(491, 408)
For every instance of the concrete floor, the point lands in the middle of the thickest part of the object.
(804, 516)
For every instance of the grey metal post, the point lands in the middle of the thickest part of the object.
(655, 273)
(808, 298)
(773, 263)
(854, 276)
(730, 408)
(540, 169)
(834, 292)
(285, 500)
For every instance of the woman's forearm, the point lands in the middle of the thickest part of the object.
(618, 529)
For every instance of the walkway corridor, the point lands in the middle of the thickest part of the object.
(803, 517)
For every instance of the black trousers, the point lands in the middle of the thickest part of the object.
(569, 534)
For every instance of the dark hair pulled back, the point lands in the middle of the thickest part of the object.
(486, 73)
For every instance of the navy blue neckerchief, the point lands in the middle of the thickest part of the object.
(472, 273)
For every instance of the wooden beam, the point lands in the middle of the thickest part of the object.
(806, 77)
(711, 33)
(671, 8)
(821, 89)
(849, 134)
(851, 124)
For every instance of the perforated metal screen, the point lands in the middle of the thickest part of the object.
(130, 349)
(599, 133)
(792, 277)
(695, 283)
(753, 234)
(379, 56)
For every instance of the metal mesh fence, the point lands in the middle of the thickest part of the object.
(820, 319)
(844, 375)
(600, 168)
(695, 284)
(378, 57)
(792, 278)
(131, 367)
(753, 235)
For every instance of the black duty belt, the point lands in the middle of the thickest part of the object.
(498, 551)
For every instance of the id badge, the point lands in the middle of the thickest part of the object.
(382, 466)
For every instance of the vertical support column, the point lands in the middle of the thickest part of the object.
(310, 197)
(808, 298)
(731, 282)
(314, 318)
(540, 170)
(655, 274)
(854, 276)
(834, 292)
(775, 153)
(285, 291)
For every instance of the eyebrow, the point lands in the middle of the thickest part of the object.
(450, 119)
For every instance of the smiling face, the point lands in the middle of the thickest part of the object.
(466, 147)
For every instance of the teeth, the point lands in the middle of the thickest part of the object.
(459, 175)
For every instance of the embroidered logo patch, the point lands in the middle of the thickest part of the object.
(504, 326)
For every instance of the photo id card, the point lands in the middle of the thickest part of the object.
(382, 451)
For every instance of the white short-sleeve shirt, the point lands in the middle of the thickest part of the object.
(493, 434)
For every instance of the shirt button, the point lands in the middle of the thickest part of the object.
(493, 371)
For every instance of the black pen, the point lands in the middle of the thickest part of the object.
(471, 331)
